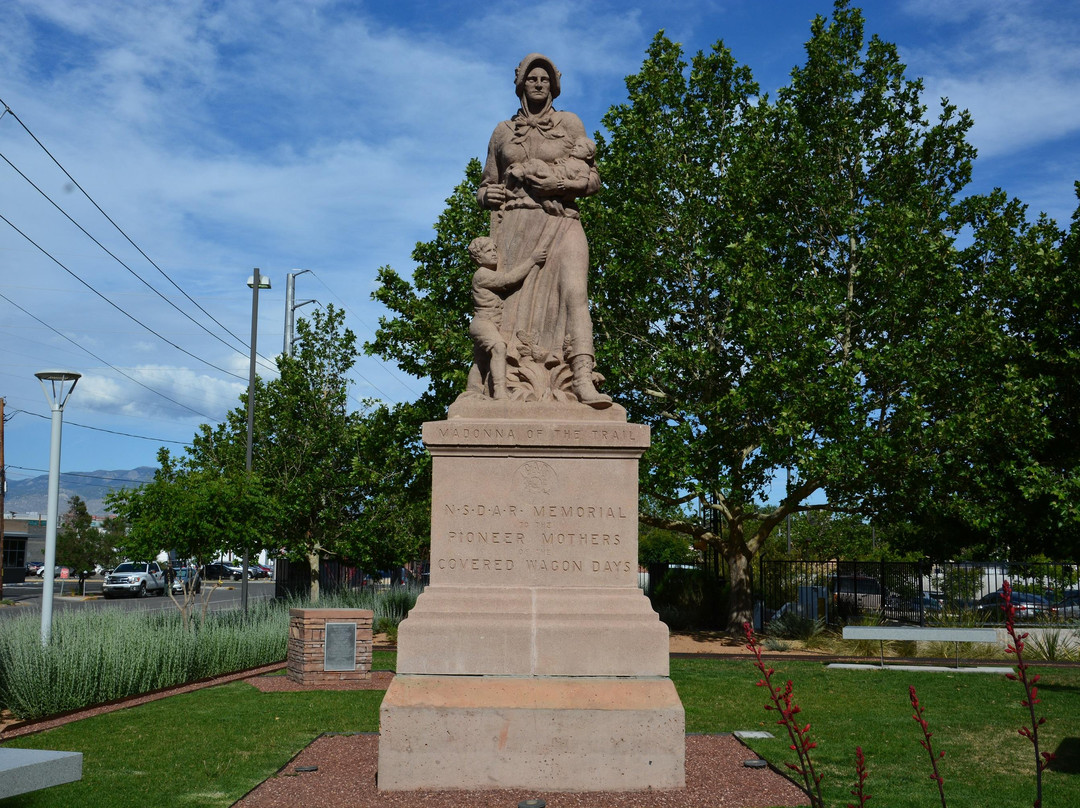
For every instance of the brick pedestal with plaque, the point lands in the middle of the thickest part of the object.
(329, 645)
(533, 659)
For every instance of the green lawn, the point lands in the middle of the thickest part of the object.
(973, 718)
(210, 747)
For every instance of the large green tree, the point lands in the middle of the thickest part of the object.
(1007, 409)
(428, 334)
(786, 277)
(393, 475)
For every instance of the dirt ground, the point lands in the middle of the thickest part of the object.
(705, 642)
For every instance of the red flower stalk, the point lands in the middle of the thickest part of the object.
(781, 698)
(859, 791)
(927, 744)
(1031, 691)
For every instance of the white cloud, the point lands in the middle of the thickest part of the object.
(173, 392)
(1015, 66)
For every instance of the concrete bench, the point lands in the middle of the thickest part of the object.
(921, 634)
(25, 770)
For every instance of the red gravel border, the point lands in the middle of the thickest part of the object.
(715, 776)
(380, 680)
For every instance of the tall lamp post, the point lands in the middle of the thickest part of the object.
(256, 282)
(61, 383)
(291, 306)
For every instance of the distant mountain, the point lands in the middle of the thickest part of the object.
(32, 495)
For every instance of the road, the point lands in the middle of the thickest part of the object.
(28, 596)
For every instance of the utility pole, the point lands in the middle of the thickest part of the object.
(291, 306)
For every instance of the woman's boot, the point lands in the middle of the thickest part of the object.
(583, 386)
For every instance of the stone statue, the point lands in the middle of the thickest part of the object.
(538, 163)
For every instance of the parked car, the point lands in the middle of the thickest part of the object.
(1069, 607)
(859, 592)
(928, 604)
(135, 578)
(34, 567)
(221, 571)
(1026, 606)
(255, 570)
(183, 579)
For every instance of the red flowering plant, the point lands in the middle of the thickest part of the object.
(859, 792)
(782, 702)
(927, 744)
(1031, 691)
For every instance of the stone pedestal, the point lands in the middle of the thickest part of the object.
(533, 660)
(329, 645)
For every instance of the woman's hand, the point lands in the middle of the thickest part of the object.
(495, 195)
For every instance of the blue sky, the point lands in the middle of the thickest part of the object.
(326, 135)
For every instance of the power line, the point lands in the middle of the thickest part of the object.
(118, 260)
(110, 431)
(78, 474)
(98, 358)
(131, 317)
(8, 110)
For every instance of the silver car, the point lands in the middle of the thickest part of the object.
(183, 579)
(136, 578)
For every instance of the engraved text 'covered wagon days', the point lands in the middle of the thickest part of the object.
(534, 565)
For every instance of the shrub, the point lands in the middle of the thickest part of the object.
(794, 626)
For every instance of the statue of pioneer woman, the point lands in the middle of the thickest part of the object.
(538, 164)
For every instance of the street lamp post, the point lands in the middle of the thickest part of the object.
(256, 282)
(291, 306)
(61, 383)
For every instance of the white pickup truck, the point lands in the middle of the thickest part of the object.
(135, 578)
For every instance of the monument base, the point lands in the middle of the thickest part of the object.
(533, 660)
(559, 733)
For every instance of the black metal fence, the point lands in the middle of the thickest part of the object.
(915, 593)
(294, 578)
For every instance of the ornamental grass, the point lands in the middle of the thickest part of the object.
(100, 655)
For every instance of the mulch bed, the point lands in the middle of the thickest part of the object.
(345, 768)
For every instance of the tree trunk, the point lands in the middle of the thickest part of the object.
(741, 598)
(313, 572)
